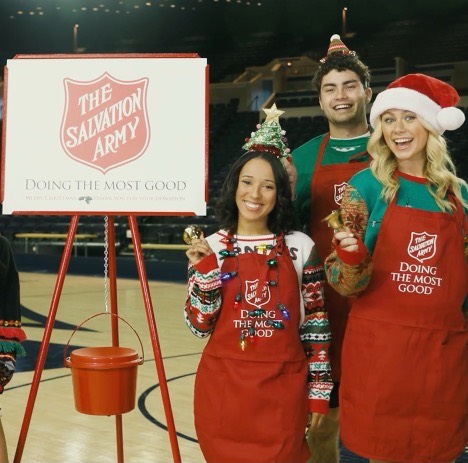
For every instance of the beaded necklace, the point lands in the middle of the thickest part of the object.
(268, 278)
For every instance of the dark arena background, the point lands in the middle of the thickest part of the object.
(259, 52)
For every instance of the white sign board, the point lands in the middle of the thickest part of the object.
(105, 134)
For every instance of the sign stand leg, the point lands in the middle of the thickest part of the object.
(154, 337)
(46, 337)
(110, 249)
(68, 248)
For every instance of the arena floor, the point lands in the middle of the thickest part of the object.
(57, 432)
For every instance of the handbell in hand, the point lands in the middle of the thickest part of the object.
(335, 220)
(191, 232)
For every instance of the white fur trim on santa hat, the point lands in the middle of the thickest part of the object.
(410, 100)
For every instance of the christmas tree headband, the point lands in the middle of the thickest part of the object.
(269, 137)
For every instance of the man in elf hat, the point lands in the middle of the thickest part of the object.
(402, 258)
(324, 164)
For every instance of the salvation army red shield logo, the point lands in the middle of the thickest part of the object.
(257, 297)
(422, 246)
(339, 191)
(105, 121)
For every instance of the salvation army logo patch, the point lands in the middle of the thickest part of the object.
(339, 191)
(251, 296)
(105, 121)
(422, 246)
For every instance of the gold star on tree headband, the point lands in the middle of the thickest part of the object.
(269, 136)
(273, 114)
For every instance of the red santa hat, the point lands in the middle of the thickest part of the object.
(428, 97)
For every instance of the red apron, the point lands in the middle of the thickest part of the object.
(403, 394)
(251, 405)
(327, 188)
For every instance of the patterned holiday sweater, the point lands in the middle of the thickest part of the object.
(363, 210)
(205, 300)
(11, 333)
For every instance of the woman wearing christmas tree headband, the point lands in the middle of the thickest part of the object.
(256, 288)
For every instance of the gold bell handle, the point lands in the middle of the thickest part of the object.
(191, 232)
(335, 220)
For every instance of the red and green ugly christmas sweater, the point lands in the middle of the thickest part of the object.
(205, 299)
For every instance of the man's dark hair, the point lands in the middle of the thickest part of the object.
(280, 219)
(342, 62)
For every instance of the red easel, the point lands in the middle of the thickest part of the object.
(73, 71)
(115, 335)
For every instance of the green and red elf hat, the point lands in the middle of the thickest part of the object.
(337, 46)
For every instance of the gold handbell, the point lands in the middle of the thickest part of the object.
(191, 232)
(335, 220)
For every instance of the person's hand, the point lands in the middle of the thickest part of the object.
(292, 173)
(315, 420)
(198, 250)
(346, 240)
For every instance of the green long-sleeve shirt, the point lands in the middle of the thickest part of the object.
(337, 151)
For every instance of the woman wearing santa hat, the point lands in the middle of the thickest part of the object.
(401, 254)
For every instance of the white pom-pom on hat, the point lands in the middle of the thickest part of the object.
(335, 37)
(450, 118)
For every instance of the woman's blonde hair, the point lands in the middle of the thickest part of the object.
(439, 168)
